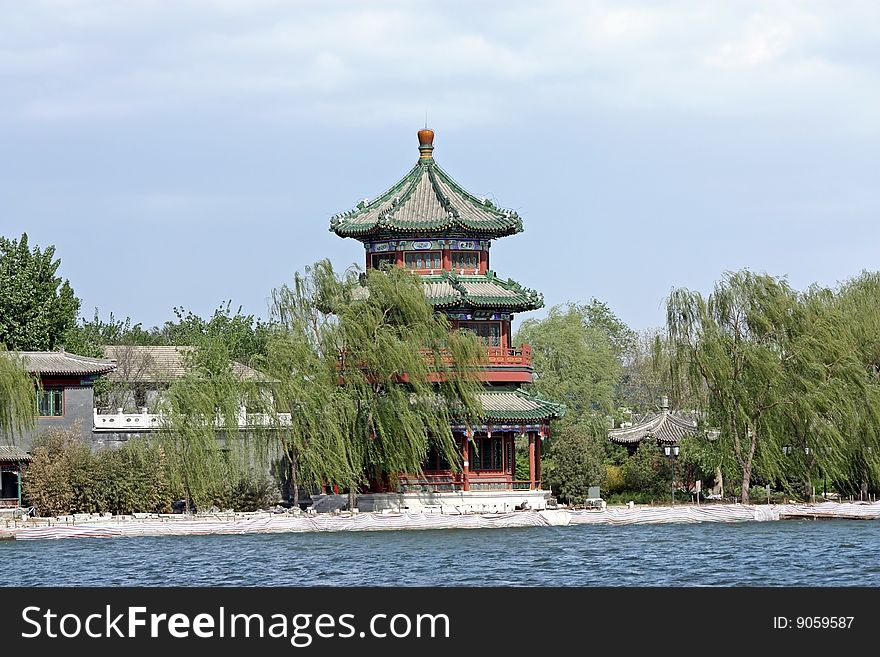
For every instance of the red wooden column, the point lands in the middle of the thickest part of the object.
(399, 255)
(466, 484)
(538, 447)
(484, 261)
(447, 259)
(531, 460)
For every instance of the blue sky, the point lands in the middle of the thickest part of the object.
(186, 153)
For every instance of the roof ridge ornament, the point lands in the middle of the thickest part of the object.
(426, 143)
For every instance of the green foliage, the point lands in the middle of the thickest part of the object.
(201, 434)
(89, 337)
(789, 378)
(51, 479)
(614, 480)
(36, 306)
(648, 376)
(66, 477)
(371, 374)
(132, 478)
(648, 471)
(577, 461)
(17, 401)
(576, 353)
(243, 336)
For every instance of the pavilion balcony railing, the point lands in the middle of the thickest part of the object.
(514, 356)
(144, 421)
(506, 356)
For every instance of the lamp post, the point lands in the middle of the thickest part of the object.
(671, 452)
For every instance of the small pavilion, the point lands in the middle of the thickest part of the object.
(664, 428)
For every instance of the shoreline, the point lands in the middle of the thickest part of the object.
(264, 522)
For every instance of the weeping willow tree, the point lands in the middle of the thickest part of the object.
(17, 401)
(372, 377)
(201, 434)
(729, 348)
(858, 301)
(822, 391)
(786, 376)
(301, 360)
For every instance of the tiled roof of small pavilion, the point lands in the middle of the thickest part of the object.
(449, 290)
(664, 427)
(61, 363)
(518, 405)
(14, 454)
(426, 200)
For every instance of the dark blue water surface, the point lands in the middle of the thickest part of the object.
(785, 553)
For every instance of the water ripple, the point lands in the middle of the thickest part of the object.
(789, 553)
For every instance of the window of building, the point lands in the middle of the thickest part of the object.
(423, 260)
(380, 260)
(50, 402)
(435, 460)
(486, 454)
(488, 332)
(467, 260)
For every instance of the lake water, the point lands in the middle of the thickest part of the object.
(784, 553)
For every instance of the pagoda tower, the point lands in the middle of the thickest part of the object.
(432, 226)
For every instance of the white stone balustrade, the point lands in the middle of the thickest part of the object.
(144, 421)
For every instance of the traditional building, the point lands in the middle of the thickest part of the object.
(429, 224)
(132, 402)
(13, 460)
(64, 400)
(663, 428)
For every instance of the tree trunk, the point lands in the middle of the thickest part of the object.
(747, 465)
(808, 484)
(352, 498)
(294, 482)
(747, 475)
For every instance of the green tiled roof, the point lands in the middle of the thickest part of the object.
(426, 200)
(518, 405)
(449, 290)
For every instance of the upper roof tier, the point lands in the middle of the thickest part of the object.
(426, 200)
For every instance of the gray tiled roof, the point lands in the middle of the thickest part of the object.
(63, 363)
(147, 364)
(664, 427)
(13, 453)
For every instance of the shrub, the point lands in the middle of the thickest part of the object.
(647, 471)
(614, 481)
(56, 481)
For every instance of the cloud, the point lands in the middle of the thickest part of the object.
(279, 60)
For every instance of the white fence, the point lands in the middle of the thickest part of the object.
(145, 421)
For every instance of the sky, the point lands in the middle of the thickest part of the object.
(185, 154)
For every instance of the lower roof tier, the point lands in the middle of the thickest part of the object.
(451, 290)
(518, 405)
